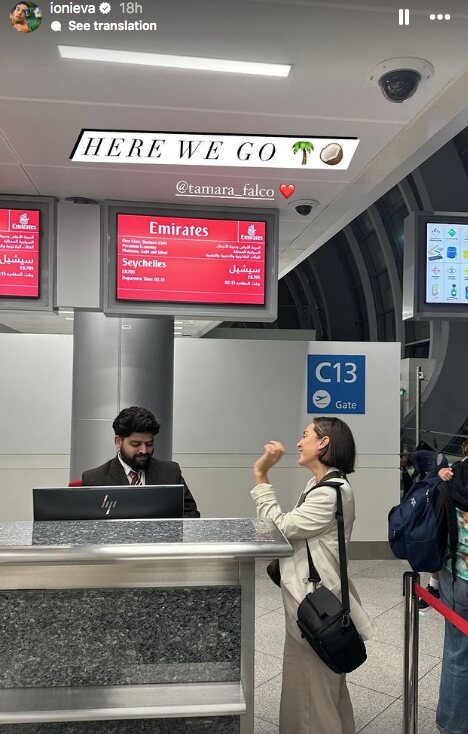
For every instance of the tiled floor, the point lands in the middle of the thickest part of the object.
(377, 687)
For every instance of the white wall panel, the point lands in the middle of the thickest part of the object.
(19, 474)
(35, 393)
(232, 396)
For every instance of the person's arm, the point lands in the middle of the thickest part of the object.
(314, 516)
(306, 521)
(190, 506)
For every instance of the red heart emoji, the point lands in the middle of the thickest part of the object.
(287, 190)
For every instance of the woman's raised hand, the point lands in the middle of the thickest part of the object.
(274, 450)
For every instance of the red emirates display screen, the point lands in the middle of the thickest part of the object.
(188, 260)
(19, 253)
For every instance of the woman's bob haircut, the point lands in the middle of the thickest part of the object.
(340, 451)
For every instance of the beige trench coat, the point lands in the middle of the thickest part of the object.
(314, 521)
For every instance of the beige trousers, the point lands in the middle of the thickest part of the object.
(314, 699)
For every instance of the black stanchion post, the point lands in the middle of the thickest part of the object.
(410, 664)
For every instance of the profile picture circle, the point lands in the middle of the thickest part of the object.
(25, 17)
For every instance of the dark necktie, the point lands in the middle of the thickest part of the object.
(135, 478)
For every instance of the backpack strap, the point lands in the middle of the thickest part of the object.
(451, 517)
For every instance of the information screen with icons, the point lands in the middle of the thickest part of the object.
(446, 263)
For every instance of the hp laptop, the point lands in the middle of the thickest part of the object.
(109, 503)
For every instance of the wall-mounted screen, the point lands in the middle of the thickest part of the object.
(446, 262)
(435, 283)
(187, 260)
(202, 263)
(27, 236)
(19, 252)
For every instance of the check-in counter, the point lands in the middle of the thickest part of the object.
(130, 627)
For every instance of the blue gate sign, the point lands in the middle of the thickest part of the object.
(336, 383)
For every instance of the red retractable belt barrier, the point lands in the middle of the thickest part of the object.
(453, 617)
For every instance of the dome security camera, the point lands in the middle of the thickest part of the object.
(303, 207)
(400, 84)
(399, 79)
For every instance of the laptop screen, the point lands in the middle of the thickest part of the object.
(109, 503)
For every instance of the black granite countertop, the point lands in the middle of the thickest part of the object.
(140, 538)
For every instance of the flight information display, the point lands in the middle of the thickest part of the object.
(446, 263)
(19, 253)
(188, 260)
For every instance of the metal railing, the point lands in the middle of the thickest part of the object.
(450, 443)
(453, 446)
(410, 663)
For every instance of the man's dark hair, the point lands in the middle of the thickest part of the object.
(20, 3)
(135, 420)
(340, 451)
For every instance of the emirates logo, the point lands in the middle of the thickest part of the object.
(23, 223)
(251, 234)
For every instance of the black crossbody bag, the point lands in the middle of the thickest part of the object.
(324, 621)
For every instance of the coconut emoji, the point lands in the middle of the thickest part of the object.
(331, 154)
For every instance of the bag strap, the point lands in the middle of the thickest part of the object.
(314, 576)
(336, 474)
(452, 526)
(342, 549)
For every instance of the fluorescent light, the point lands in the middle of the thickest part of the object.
(81, 53)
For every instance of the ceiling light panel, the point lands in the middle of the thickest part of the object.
(174, 62)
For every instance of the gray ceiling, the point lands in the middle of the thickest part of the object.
(45, 101)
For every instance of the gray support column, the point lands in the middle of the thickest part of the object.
(118, 362)
(365, 282)
(392, 270)
(311, 297)
(422, 189)
(291, 279)
(408, 196)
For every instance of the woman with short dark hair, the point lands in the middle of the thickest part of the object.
(313, 697)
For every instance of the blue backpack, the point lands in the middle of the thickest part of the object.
(413, 530)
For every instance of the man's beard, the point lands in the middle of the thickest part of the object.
(136, 463)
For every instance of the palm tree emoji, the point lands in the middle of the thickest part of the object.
(305, 146)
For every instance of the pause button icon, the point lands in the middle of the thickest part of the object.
(403, 16)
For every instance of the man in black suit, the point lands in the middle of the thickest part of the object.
(135, 429)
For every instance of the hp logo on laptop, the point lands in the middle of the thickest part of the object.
(108, 504)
